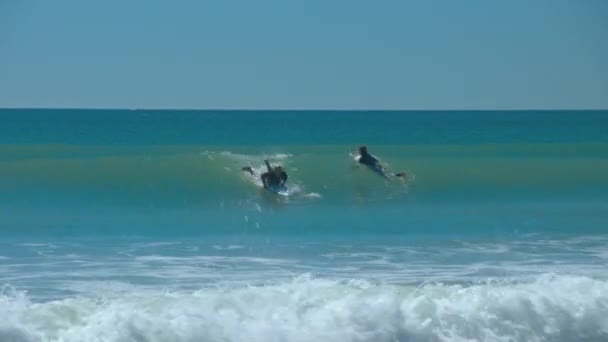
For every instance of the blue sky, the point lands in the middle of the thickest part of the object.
(352, 54)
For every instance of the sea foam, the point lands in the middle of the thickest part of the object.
(552, 308)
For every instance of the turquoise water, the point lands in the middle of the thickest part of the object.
(139, 226)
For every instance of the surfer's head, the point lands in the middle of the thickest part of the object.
(277, 170)
(278, 174)
(363, 149)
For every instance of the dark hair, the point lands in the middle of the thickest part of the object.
(362, 148)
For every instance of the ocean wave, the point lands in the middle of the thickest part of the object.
(188, 173)
(552, 308)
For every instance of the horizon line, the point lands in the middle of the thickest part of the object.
(311, 109)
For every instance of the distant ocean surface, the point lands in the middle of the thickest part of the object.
(138, 225)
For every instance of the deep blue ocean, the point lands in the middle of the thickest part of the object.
(139, 225)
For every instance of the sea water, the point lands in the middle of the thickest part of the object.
(139, 225)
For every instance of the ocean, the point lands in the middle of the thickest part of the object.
(139, 225)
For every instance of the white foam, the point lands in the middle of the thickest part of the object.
(228, 247)
(37, 245)
(553, 308)
(313, 195)
(251, 158)
(155, 244)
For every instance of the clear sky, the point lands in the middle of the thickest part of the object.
(331, 54)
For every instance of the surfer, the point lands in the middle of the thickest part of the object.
(274, 178)
(373, 163)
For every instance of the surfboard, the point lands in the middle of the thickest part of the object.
(278, 190)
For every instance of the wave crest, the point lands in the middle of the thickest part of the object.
(553, 308)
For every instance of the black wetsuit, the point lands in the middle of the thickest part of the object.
(368, 159)
(273, 178)
(372, 162)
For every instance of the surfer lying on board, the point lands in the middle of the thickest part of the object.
(373, 163)
(274, 178)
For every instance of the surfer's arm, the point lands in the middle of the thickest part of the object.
(248, 169)
(268, 165)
